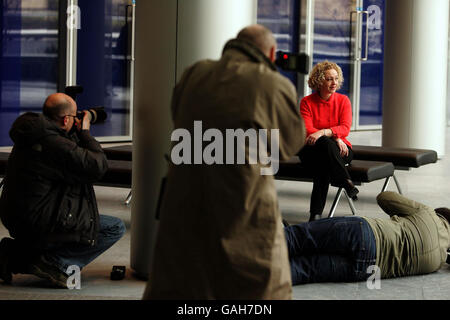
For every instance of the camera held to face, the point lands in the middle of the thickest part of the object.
(296, 62)
(95, 115)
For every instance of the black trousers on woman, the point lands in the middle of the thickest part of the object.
(328, 166)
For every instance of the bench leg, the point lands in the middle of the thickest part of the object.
(129, 197)
(386, 183)
(335, 202)
(350, 203)
(397, 184)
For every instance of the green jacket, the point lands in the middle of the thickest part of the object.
(413, 241)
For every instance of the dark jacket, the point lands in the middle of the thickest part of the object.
(48, 194)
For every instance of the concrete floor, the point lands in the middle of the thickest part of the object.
(428, 184)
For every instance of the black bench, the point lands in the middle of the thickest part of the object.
(402, 158)
(360, 171)
(122, 152)
(118, 175)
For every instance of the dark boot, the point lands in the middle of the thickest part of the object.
(350, 189)
(44, 269)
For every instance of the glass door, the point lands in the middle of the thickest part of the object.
(104, 63)
(350, 33)
(370, 66)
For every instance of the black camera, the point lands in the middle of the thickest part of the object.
(96, 114)
(298, 62)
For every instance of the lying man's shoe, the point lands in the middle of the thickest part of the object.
(5, 272)
(43, 269)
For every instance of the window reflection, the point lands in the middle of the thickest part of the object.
(281, 17)
(28, 59)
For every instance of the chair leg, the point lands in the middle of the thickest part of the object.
(1, 186)
(397, 184)
(335, 202)
(386, 183)
(129, 197)
(351, 204)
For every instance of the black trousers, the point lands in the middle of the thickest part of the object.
(328, 166)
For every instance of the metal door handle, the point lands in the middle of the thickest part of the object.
(131, 52)
(357, 54)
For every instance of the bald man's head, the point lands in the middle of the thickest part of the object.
(59, 105)
(261, 37)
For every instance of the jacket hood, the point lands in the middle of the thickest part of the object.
(249, 50)
(30, 128)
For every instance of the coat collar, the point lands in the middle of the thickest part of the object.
(250, 51)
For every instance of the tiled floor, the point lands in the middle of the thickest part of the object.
(429, 184)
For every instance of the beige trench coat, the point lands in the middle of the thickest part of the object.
(220, 234)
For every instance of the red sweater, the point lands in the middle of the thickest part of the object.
(334, 114)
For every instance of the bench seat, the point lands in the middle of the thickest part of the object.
(359, 170)
(123, 152)
(400, 157)
(118, 175)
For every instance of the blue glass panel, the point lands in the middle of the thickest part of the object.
(102, 63)
(28, 58)
(282, 18)
(332, 36)
(371, 94)
(11, 23)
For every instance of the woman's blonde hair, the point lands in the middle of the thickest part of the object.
(317, 75)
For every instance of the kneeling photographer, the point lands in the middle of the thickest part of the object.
(48, 203)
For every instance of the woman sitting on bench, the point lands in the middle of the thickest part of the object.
(328, 118)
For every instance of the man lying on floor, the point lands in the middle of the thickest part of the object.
(344, 249)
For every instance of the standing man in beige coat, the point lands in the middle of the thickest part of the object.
(220, 233)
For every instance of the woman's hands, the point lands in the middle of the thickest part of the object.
(311, 140)
(343, 149)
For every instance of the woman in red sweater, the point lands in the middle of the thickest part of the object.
(328, 118)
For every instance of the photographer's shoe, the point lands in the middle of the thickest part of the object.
(5, 272)
(43, 269)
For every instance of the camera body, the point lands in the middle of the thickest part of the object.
(298, 62)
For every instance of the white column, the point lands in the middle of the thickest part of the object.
(204, 26)
(415, 74)
(170, 36)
